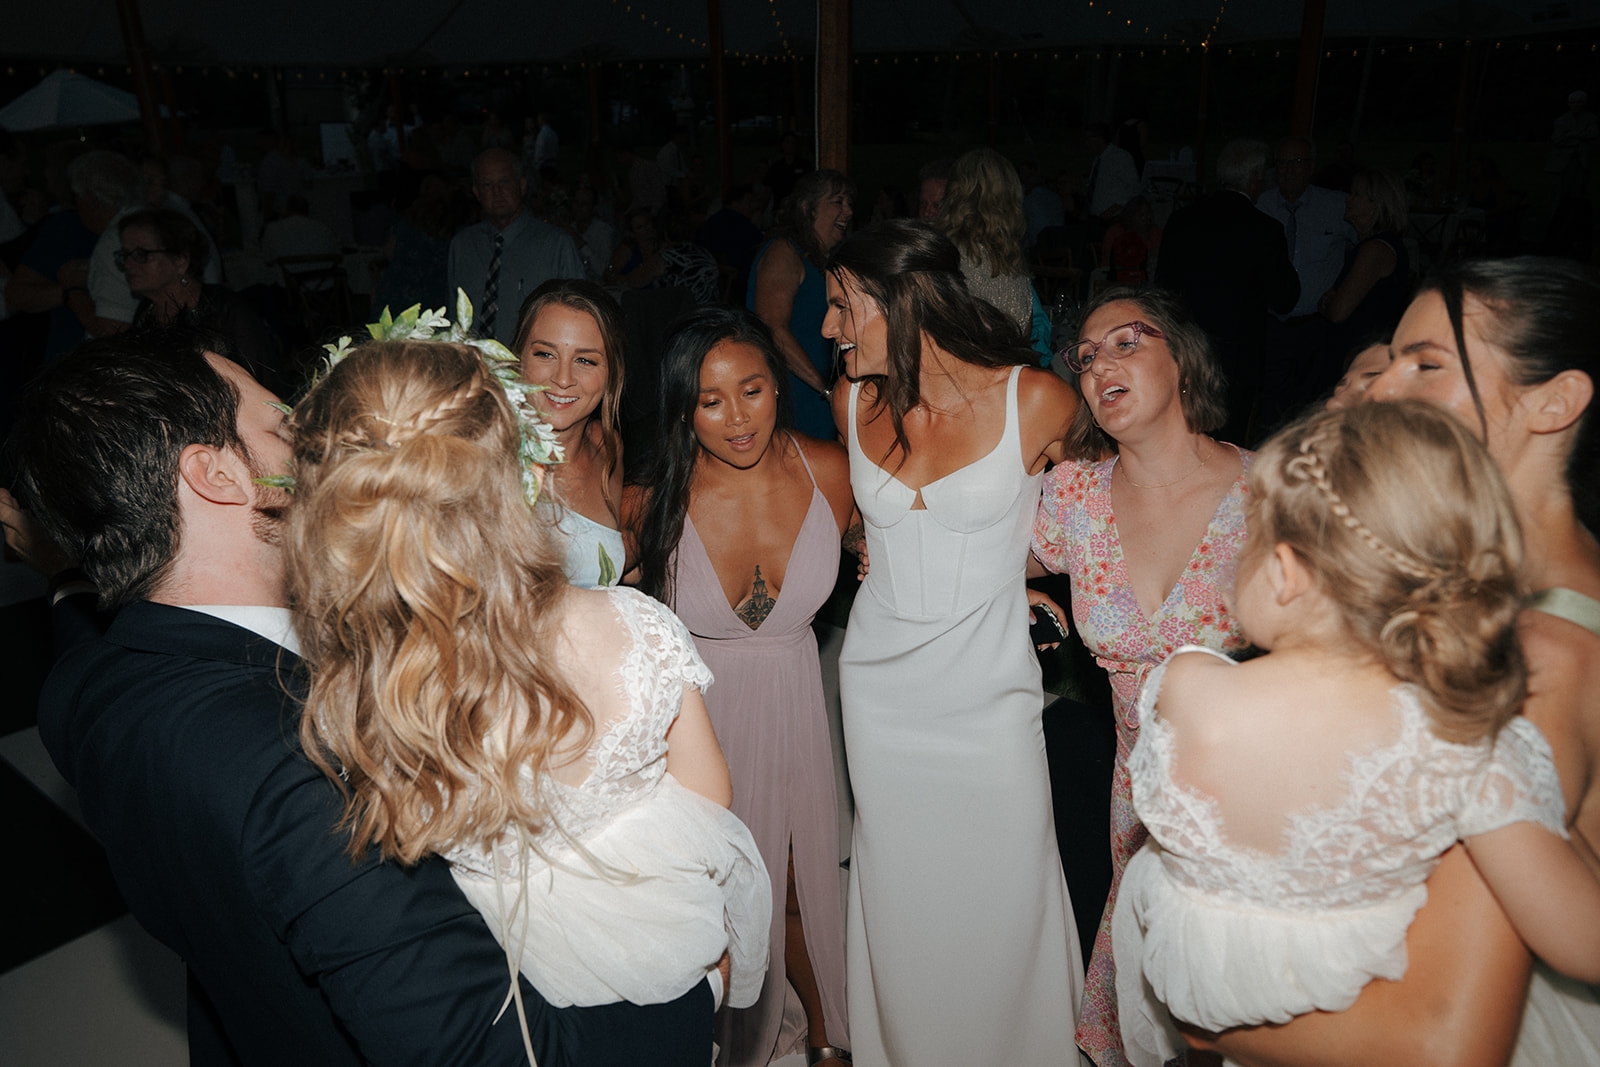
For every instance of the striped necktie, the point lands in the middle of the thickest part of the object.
(491, 287)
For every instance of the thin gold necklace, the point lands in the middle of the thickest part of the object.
(1140, 485)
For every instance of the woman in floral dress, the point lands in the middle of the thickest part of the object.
(1146, 519)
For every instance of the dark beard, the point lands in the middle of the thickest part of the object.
(269, 511)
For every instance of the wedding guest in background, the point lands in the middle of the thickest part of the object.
(1375, 287)
(981, 213)
(1230, 262)
(788, 293)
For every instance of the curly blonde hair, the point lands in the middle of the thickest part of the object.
(982, 212)
(1410, 530)
(425, 594)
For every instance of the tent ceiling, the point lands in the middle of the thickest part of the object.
(362, 32)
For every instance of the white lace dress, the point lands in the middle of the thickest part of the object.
(635, 885)
(1224, 935)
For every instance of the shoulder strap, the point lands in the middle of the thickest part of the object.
(1568, 604)
(803, 459)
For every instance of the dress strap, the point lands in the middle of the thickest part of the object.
(855, 442)
(1568, 604)
(802, 451)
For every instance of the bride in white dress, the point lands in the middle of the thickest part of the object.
(960, 943)
(550, 741)
(1297, 802)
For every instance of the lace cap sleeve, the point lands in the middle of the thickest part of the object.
(1519, 784)
(670, 644)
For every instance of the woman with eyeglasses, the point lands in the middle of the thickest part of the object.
(163, 256)
(1146, 516)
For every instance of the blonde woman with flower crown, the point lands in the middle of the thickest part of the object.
(1297, 802)
(551, 742)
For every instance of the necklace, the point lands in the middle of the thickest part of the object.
(1140, 485)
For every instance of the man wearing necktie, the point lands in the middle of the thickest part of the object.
(508, 253)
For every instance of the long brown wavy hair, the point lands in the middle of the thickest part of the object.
(425, 595)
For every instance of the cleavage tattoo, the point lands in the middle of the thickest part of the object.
(754, 611)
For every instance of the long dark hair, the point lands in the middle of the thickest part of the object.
(913, 273)
(668, 478)
(1545, 315)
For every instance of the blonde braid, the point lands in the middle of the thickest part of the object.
(1309, 466)
(362, 436)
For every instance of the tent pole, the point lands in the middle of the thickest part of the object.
(1305, 82)
(719, 96)
(833, 85)
(133, 41)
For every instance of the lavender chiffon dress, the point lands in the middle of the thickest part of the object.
(768, 709)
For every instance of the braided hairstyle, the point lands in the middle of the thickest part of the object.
(424, 590)
(1410, 530)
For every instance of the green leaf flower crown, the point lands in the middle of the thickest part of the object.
(537, 446)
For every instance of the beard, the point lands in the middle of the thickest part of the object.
(269, 512)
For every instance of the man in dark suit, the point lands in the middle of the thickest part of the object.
(140, 455)
(1231, 264)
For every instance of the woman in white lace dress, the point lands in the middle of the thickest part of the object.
(1297, 802)
(550, 741)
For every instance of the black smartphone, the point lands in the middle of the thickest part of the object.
(1045, 629)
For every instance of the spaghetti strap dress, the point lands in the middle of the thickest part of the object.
(768, 709)
(960, 942)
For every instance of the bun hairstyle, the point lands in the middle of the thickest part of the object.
(1544, 314)
(422, 586)
(1410, 530)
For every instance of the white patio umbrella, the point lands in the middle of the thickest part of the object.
(68, 99)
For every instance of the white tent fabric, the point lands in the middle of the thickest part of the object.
(475, 32)
(67, 99)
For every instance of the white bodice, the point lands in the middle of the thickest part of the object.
(971, 522)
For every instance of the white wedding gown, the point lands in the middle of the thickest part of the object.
(960, 943)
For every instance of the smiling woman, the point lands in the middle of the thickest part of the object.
(739, 520)
(962, 946)
(570, 338)
(786, 290)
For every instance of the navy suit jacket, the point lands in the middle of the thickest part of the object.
(179, 732)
